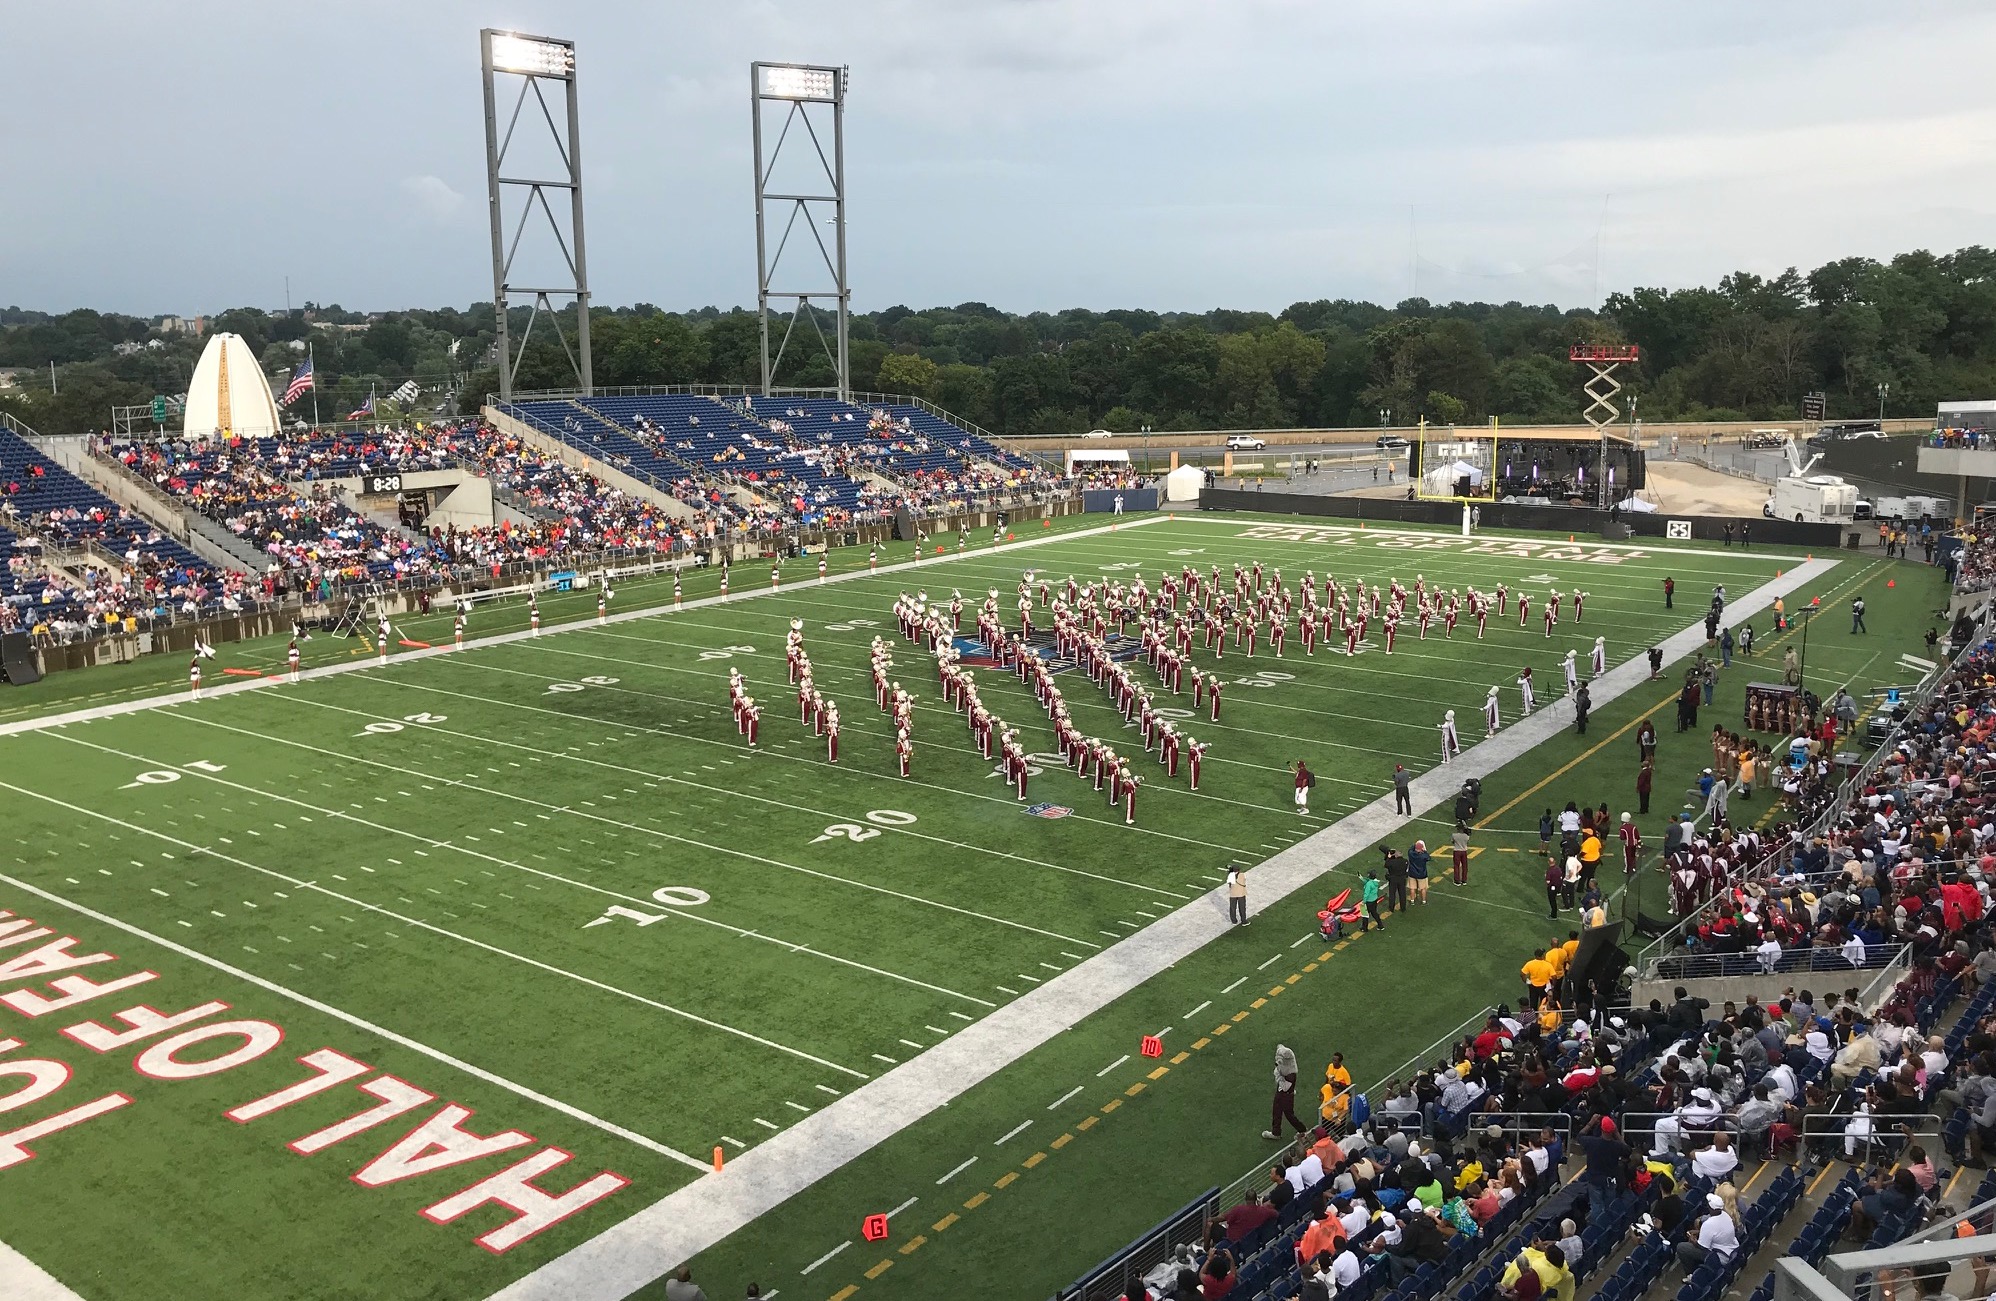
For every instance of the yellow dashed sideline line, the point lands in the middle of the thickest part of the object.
(1086, 1123)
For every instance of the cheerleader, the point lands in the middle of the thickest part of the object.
(457, 632)
(675, 593)
(194, 677)
(291, 659)
(534, 608)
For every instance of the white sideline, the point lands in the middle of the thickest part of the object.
(23, 1280)
(361, 663)
(687, 1221)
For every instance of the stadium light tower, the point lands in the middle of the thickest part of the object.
(533, 60)
(807, 93)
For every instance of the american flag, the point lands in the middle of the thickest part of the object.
(301, 380)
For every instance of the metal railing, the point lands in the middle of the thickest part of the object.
(1747, 962)
(1839, 802)
(1122, 1273)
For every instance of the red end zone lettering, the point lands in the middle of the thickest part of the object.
(14, 1143)
(45, 1076)
(396, 1097)
(48, 959)
(333, 1069)
(437, 1144)
(74, 990)
(145, 1023)
(160, 1062)
(513, 1189)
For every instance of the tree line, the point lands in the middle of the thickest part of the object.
(1748, 348)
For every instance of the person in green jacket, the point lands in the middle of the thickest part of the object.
(1371, 897)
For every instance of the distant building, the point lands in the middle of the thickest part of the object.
(195, 325)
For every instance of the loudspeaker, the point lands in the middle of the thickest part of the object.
(904, 526)
(17, 660)
(1638, 471)
(1616, 531)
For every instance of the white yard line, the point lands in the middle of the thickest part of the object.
(193, 849)
(360, 664)
(380, 1031)
(679, 1226)
(677, 913)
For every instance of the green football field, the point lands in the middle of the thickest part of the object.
(405, 980)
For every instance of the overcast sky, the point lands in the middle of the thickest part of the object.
(1033, 154)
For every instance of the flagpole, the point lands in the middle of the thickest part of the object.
(314, 363)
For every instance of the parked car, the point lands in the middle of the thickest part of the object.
(1098, 433)
(1245, 443)
(1390, 442)
(1766, 437)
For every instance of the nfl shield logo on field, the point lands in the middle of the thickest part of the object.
(1048, 810)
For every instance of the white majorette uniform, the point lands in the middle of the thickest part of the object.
(1492, 713)
(534, 610)
(675, 589)
(602, 605)
(1451, 744)
(291, 659)
(873, 558)
(775, 577)
(1572, 673)
(194, 677)
(821, 569)
(1599, 660)
(1525, 685)
(457, 632)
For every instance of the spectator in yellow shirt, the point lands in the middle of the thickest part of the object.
(1538, 978)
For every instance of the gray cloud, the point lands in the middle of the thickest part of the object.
(1031, 153)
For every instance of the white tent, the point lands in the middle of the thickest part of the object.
(1184, 483)
(1440, 481)
(1090, 457)
(1638, 505)
(229, 394)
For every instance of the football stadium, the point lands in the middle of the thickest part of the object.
(560, 826)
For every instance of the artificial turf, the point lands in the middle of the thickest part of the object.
(462, 851)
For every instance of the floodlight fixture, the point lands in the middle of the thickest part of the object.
(808, 202)
(532, 60)
(533, 56)
(798, 81)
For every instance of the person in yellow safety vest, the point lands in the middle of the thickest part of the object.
(1335, 1105)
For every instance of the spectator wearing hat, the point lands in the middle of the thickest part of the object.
(1714, 1234)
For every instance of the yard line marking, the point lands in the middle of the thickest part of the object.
(912, 1044)
(1305, 938)
(902, 1207)
(954, 1173)
(638, 1249)
(1197, 1010)
(935, 1029)
(1064, 1097)
(1236, 985)
(1162, 1033)
(532, 1095)
(1021, 1128)
(646, 830)
(1112, 1066)
(1276, 958)
(797, 1106)
(448, 934)
(827, 1256)
(962, 1016)
(552, 876)
(826, 1088)
(764, 1123)
(889, 1060)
